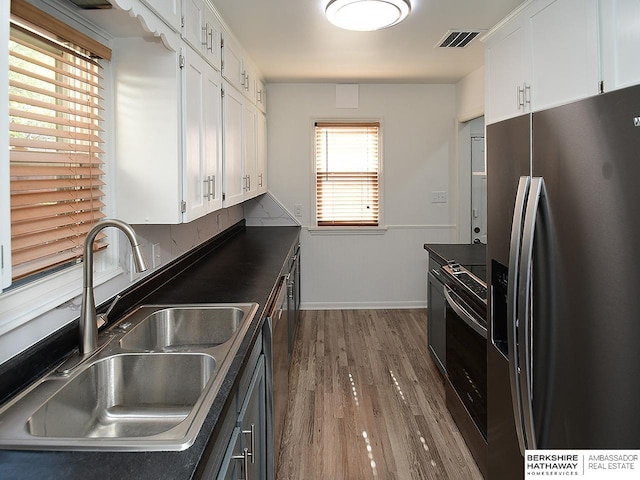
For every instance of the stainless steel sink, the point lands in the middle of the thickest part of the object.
(125, 396)
(148, 387)
(184, 328)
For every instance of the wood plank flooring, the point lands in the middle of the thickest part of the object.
(366, 402)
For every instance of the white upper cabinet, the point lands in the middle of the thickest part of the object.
(564, 51)
(168, 10)
(244, 158)
(232, 62)
(203, 31)
(234, 174)
(545, 54)
(507, 72)
(261, 180)
(249, 133)
(168, 133)
(182, 149)
(203, 143)
(620, 27)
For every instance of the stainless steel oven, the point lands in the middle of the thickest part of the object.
(466, 356)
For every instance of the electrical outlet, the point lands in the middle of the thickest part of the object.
(297, 210)
(438, 197)
(156, 255)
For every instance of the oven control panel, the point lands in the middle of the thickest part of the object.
(467, 279)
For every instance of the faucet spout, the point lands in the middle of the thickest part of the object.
(88, 318)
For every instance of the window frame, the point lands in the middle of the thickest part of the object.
(314, 228)
(26, 301)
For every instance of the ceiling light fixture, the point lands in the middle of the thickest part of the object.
(367, 15)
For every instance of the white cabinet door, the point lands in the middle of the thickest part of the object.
(620, 26)
(194, 20)
(233, 161)
(249, 142)
(202, 31)
(213, 36)
(213, 138)
(202, 146)
(507, 72)
(196, 190)
(168, 10)
(232, 62)
(564, 51)
(262, 154)
(148, 125)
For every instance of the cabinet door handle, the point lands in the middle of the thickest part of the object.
(520, 98)
(260, 95)
(260, 180)
(210, 40)
(205, 37)
(207, 183)
(245, 462)
(213, 186)
(527, 94)
(252, 432)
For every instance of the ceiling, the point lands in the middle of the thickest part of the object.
(291, 41)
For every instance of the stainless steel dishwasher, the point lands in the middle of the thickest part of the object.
(279, 395)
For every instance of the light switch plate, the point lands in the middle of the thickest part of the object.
(438, 197)
(297, 210)
(156, 255)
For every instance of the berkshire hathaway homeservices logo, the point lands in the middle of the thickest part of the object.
(584, 464)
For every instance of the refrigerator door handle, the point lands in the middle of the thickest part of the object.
(536, 193)
(512, 304)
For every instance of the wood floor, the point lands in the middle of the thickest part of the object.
(366, 402)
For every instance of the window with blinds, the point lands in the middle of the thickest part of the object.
(347, 174)
(55, 146)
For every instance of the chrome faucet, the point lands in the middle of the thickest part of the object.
(88, 317)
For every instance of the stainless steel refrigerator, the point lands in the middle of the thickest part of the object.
(563, 253)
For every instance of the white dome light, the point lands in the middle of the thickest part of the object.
(367, 15)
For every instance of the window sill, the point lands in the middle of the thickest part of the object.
(347, 230)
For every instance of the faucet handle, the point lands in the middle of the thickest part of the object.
(102, 318)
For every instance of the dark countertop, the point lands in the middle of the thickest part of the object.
(465, 254)
(243, 268)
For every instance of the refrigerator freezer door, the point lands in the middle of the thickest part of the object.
(508, 159)
(586, 274)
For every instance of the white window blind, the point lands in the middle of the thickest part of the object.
(347, 174)
(55, 147)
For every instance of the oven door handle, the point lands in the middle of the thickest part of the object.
(466, 316)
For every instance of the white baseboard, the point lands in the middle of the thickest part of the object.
(362, 305)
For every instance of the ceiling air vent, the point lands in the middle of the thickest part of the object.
(457, 38)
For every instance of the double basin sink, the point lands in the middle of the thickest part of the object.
(148, 387)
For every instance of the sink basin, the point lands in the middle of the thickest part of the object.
(125, 396)
(148, 387)
(184, 328)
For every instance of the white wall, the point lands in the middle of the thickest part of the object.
(470, 96)
(418, 128)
